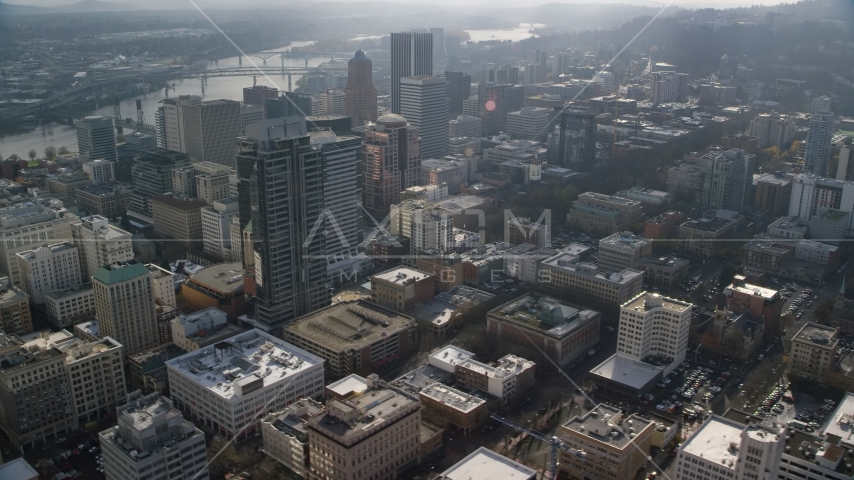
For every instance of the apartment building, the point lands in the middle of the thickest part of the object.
(379, 423)
(253, 371)
(813, 351)
(562, 330)
(27, 226)
(100, 243)
(35, 393)
(152, 441)
(15, 316)
(71, 305)
(812, 195)
(353, 337)
(654, 329)
(49, 268)
(772, 192)
(616, 446)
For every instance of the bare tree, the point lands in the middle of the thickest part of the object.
(50, 152)
(63, 150)
(32, 154)
(14, 156)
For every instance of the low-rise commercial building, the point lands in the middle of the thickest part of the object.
(202, 329)
(153, 441)
(401, 288)
(220, 286)
(764, 304)
(698, 238)
(813, 351)
(107, 199)
(562, 330)
(663, 271)
(381, 420)
(663, 226)
(354, 336)
(510, 377)
(652, 201)
(566, 277)
(484, 464)
(446, 407)
(69, 306)
(252, 370)
(605, 214)
(285, 435)
(620, 250)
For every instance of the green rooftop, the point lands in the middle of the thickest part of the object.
(120, 272)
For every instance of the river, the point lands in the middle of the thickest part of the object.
(62, 135)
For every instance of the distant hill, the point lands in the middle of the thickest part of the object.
(94, 6)
(12, 9)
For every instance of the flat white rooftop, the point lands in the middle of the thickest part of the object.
(627, 371)
(401, 275)
(841, 422)
(484, 464)
(251, 355)
(349, 385)
(712, 441)
(452, 397)
(451, 354)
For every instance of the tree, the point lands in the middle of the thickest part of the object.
(14, 156)
(727, 273)
(823, 311)
(32, 154)
(63, 150)
(50, 152)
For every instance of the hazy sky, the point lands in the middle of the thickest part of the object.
(503, 3)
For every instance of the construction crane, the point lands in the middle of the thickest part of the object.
(555, 443)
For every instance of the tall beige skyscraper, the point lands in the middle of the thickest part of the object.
(124, 305)
(360, 94)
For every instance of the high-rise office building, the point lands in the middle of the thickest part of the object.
(216, 227)
(845, 169)
(438, 43)
(281, 192)
(124, 305)
(561, 63)
(259, 94)
(204, 130)
(342, 194)
(210, 131)
(288, 105)
(654, 326)
(424, 103)
(492, 106)
(577, 140)
(152, 176)
(726, 180)
(96, 138)
(503, 75)
(817, 148)
(411, 56)
(529, 123)
(459, 90)
(669, 87)
(211, 181)
(360, 94)
(99, 243)
(391, 163)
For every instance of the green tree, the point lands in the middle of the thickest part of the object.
(63, 150)
(823, 311)
(32, 154)
(50, 152)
